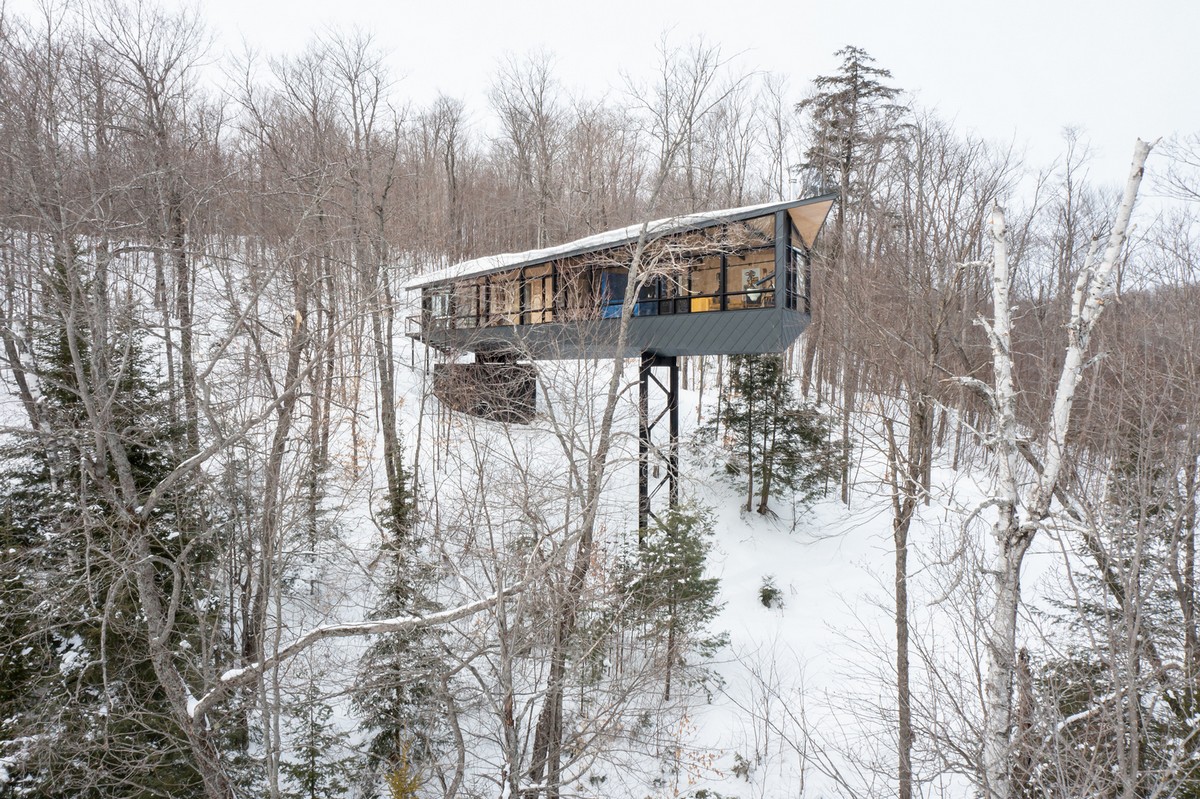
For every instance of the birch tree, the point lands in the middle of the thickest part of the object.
(1115, 702)
(1022, 510)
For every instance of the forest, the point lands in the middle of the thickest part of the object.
(244, 551)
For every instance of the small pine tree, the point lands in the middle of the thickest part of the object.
(665, 587)
(320, 767)
(775, 443)
(397, 693)
(403, 781)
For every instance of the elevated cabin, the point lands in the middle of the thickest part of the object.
(721, 282)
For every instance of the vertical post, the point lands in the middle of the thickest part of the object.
(782, 240)
(644, 445)
(522, 305)
(554, 302)
(721, 280)
(673, 412)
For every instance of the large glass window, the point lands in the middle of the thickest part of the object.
(466, 303)
(797, 272)
(612, 292)
(505, 299)
(750, 280)
(435, 307)
(705, 289)
(648, 294)
(539, 294)
(673, 293)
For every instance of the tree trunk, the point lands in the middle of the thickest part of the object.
(906, 494)
(183, 312)
(1005, 577)
(1019, 517)
(750, 465)
(670, 652)
(904, 729)
(764, 494)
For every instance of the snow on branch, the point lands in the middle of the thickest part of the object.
(978, 387)
(247, 675)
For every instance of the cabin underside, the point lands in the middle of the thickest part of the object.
(749, 331)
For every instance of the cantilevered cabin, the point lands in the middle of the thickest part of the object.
(722, 282)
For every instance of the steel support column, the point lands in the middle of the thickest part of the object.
(647, 448)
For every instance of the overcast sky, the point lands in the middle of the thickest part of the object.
(1014, 71)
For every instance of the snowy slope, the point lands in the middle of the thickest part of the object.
(803, 704)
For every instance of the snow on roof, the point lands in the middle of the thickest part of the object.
(601, 241)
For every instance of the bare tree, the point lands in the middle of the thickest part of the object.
(525, 97)
(1022, 513)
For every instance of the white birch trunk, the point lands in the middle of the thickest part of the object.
(1019, 518)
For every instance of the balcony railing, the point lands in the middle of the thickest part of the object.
(445, 309)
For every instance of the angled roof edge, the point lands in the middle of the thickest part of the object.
(490, 264)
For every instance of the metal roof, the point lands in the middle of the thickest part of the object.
(614, 238)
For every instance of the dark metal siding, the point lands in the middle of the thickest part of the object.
(712, 333)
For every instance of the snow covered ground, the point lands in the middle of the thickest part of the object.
(804, 703)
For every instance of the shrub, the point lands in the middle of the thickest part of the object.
(769, 594)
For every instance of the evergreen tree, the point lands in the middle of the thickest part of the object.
(398, 688)
(1087, 721)
(398, 691)
(776, 444)
(320, 767)
(852, 123)
(665, 589)
(852, 115)
(80, 697)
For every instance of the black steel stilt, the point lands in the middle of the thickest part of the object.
(644, 445)
(646, 425)
(673, 448)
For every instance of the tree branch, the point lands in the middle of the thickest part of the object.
(248, 675)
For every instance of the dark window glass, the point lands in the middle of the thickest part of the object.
(612, 292)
